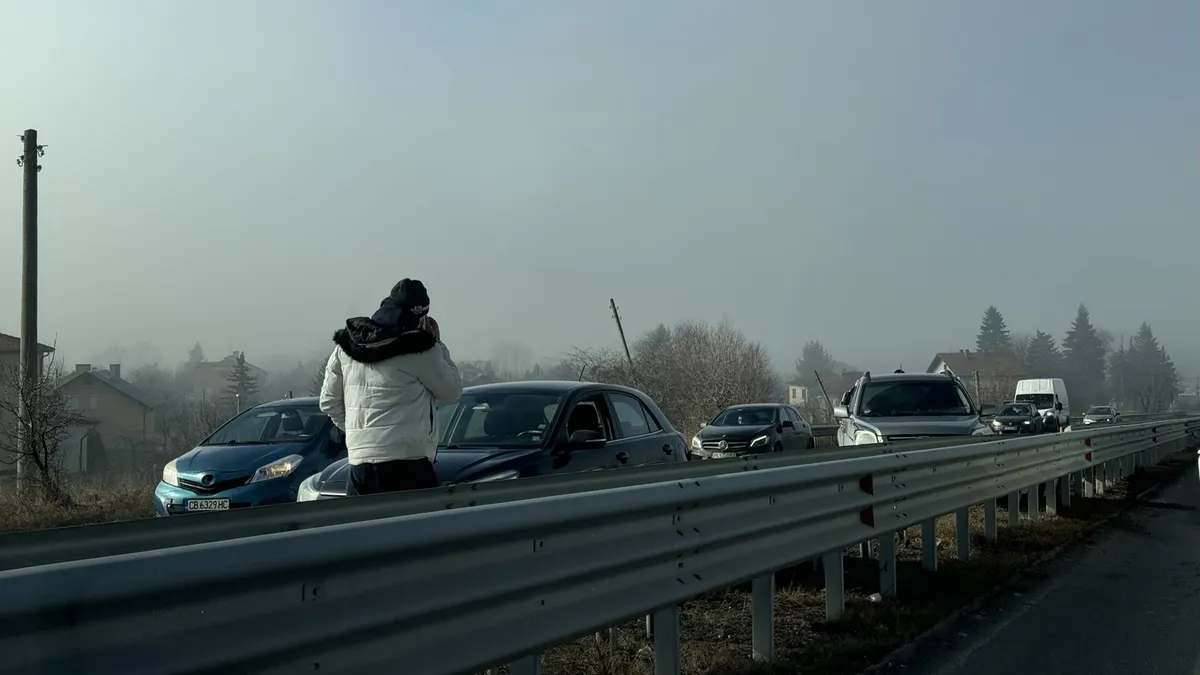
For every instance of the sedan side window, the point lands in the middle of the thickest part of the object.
(629, 415)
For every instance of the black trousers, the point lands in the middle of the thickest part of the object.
(393, 476)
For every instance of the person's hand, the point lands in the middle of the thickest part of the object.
(431, 325)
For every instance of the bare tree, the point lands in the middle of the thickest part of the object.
(44, 425)
(692, 370)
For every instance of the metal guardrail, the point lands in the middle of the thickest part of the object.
(41, 547)
(451, 592)
(23, 549)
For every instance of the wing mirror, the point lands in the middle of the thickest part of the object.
(586, 438)
(703, 424)
(1058, 406)
(840, 412)
(787, 424)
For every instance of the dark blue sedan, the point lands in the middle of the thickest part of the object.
(524, 429)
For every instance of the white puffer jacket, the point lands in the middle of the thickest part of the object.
(384, 401)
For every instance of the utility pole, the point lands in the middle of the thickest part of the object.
(617, 317)
(30, 369)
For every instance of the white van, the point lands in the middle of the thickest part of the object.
(1046, 394)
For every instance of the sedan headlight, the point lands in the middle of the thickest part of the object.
(284, 466)
(1088, 420)
(864, 437)
(997, 423)
(502, 475)
(761, 440)
(1027, 422)
(171, 473)
(308, 489)
(696, 445)
(983, 431)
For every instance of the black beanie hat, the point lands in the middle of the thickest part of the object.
(411, 296)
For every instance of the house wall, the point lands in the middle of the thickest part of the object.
(124, 423)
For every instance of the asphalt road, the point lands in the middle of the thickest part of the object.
(1128, 603)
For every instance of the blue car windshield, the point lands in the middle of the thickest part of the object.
(499, 420)
(269, 425)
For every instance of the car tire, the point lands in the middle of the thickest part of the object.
(778, 447)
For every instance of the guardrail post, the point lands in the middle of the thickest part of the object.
(1110, 477)
(929, 544)
(1064, 493)
(990, 531)
(835, 585)
(762, 612)
(1033, 503)
(530, 664)
(1098, 483)
(1051, 496)
(1014, 508)
(666, 641)
(887, 565)
(649, 626)
(962, 532)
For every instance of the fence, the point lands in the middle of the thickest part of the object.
(457, 591)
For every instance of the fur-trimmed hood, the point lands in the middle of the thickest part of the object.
(366, 341)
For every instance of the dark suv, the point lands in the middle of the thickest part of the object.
(901, 406)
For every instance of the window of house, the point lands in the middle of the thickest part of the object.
(93, 401)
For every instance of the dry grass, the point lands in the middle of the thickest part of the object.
(715, 628)
(88, 504)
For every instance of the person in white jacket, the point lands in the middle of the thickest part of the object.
(383, 382)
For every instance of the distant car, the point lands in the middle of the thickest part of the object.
(750, 429)
(259, 457)
(523, 429)
(1018, 418)
(903, 406)
(1102, 414)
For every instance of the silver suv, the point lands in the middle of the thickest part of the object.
(903, 406)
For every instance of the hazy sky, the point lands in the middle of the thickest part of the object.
(871, 174)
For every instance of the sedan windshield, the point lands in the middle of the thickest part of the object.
(1099, 410)
(745, 417)
(914, 398)
(500, 420)
(1016, 410)
(274, 424)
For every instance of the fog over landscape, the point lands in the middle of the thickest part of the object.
(869, 175)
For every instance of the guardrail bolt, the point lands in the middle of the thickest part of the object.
(538, 545)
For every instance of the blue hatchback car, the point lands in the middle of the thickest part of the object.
(259, 457)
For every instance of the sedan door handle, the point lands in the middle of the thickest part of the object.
(668, 449)
(622, 457)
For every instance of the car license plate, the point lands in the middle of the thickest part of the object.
(1010, 428)
(723, 455)
(207, 505)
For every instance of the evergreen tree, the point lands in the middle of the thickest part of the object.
(1084, 352)
(1144, 374)
(195, 357)
(240, 383)
(993, 334)
(813, 358)
(1042, 358)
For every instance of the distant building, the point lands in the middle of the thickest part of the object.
(121, 413)
(998, 372)
(210, 379)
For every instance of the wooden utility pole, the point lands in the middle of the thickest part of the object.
(30, 369)
(621, 330)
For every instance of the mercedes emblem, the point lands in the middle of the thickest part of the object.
(722, 445)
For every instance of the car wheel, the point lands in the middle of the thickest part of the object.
(778, 447)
